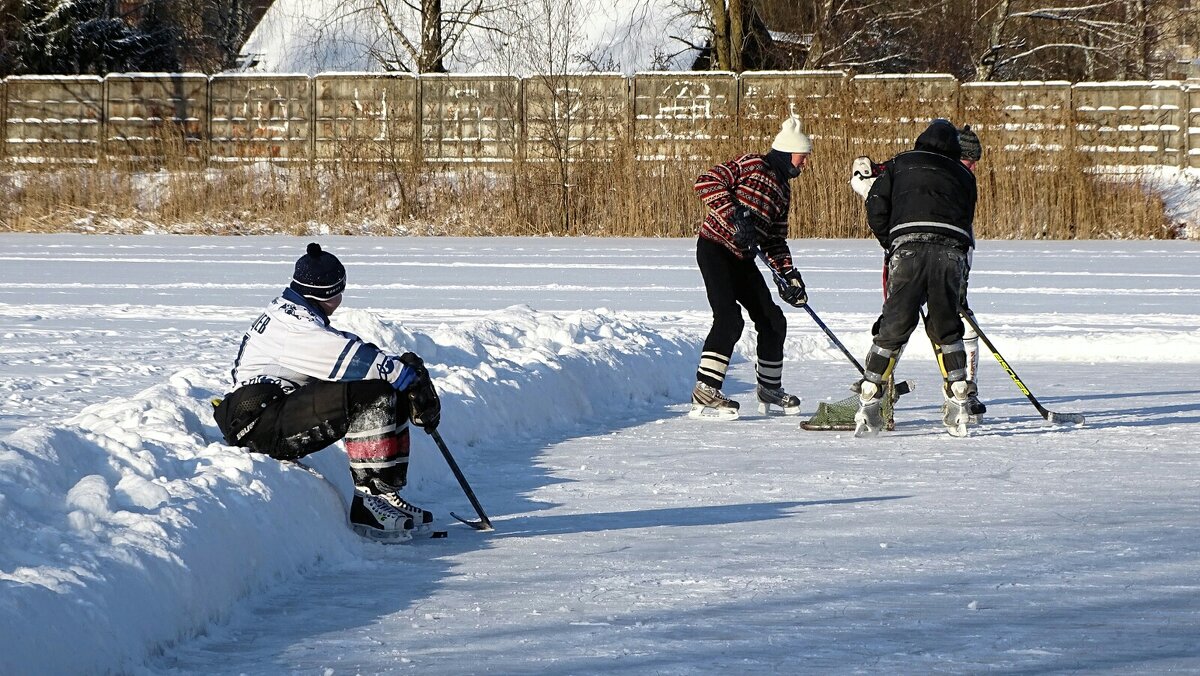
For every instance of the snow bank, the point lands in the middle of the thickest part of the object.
(131, 525)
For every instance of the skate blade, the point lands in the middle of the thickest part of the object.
(959, 430)
(701, 412)
(765, 409)
(385, 537)
(958, 427)
(865, 431)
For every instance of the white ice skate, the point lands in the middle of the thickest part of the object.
(708, 403)
(956, 414)
(868, 421)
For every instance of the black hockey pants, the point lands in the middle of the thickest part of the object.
(920, 273)
(369, 415)
(731, 284)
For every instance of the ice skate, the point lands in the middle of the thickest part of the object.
(768, 397)
(421, 518)
(975, 410)
(375, 518)
(869, 422)
(955, 415)
(708, 403)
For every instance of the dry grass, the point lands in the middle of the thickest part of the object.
(373, 189)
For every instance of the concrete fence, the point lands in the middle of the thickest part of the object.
(132, 117)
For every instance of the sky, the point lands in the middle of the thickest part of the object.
(629, 538)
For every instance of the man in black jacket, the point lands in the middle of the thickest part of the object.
(922, 209)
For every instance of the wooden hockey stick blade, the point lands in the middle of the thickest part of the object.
(904, 387)
(482, 524)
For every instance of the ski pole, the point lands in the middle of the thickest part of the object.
(1061, 418)
(483, 523)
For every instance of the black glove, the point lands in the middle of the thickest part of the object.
(745, 234)
(791, 288)
(422, 397)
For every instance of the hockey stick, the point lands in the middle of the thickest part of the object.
(902, 387)
(1060, 418)
(483, 523)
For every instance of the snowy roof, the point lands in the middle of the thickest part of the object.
(315, 36)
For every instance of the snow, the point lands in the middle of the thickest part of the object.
(629, 538)
(314, 36)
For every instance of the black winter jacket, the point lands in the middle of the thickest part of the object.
(925, 191)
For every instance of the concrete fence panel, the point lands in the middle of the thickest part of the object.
(467, 118)
(149, 116)
(1018, 117)
(684, 115)
(1132, 123)
(54, 118)
(890, 111)
(256, 117)
(1191, 124)
(660, 116)
(365, 117)
(817, 97)
(569, 117)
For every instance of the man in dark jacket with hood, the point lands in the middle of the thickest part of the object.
(922, 209)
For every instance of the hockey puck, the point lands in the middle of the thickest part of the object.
(438, 534)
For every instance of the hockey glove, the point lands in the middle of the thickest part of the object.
(422, 397)
(863, 172)
(745, 234)
(791, 288)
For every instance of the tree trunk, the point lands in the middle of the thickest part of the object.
(821, 25)
(737, 35)
(720, 29)
(431, 37)
(985, 65)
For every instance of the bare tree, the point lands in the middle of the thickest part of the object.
(418, 36)
(1032, 39)
(870, 35)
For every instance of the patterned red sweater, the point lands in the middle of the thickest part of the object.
(747, 180)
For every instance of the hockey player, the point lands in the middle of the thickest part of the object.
(748, 199)
(863, 175)
(921, 208)
(972, 153)
(301, 385)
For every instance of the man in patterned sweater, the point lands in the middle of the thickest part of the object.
(302, 385)
(748, 200)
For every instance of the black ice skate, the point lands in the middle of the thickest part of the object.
(768, 397)
(375, 518)
(420, 517)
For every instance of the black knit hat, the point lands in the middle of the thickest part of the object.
(319, 274)
(971, 149)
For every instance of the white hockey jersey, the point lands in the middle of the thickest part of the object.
(292, 343)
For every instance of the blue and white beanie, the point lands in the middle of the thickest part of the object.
(319, 275)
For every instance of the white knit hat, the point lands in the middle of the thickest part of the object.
(791, 139)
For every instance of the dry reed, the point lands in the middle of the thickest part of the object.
(596, 189)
